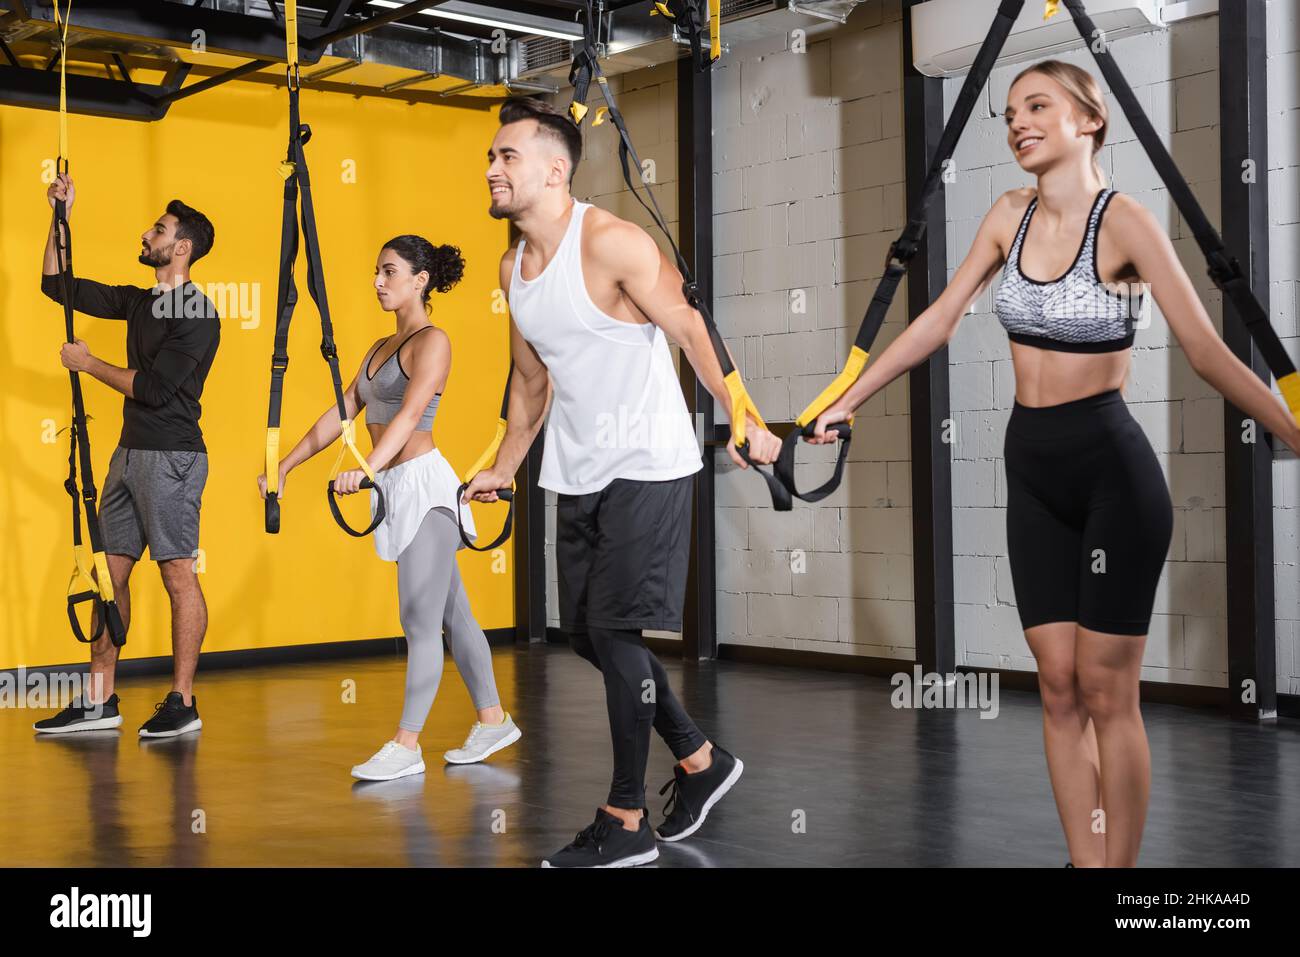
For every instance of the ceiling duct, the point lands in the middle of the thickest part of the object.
(637, 40)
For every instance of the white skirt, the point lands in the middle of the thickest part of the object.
(410, 490)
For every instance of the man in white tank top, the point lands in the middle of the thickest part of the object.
(591, 298)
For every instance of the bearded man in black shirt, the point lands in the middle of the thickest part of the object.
(156, 475)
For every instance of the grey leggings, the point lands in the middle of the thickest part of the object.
(432, 600)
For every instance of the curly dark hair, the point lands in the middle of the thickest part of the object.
(444, 263)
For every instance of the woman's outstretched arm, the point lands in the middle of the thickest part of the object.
(933, 328)
(1147, 246)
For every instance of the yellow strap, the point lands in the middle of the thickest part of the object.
(1290, 386)
(349, 444)
(601, 113)
(102, 578)
(83, 577)
(715, 29)
(577, 111)
(1051, 9)
(662, 8)
(741, 404)
(852, 369)
(272, 460)
(61, 21)
(291, 32)
(489, 456)
(287, 169)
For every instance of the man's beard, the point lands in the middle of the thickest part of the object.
(510, 209)
(156, 258)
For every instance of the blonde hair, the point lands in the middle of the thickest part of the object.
(1083, 88)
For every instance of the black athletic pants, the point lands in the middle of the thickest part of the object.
(621, 555)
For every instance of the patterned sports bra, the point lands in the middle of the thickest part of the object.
(1073, 313)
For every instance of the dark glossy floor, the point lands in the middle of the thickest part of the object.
(876, 785)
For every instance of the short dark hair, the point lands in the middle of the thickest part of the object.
(444, 263)
(194, 226)
(550, 121)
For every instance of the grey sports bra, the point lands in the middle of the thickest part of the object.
(1073, 313)
(382, 391)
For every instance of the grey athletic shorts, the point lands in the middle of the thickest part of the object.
(152, 498)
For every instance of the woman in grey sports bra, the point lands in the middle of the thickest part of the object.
(399, 386)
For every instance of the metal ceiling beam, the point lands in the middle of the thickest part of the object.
(86, 94)
(365, 26)
(181, 93)
(335, 14)
(170, 24)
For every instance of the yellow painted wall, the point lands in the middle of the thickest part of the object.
(419, 168)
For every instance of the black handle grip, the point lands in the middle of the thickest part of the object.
(780, 495)
(380, 510)
(77, 631)
(785, 461)
(104, 613)
(505, 495)
(272, 518)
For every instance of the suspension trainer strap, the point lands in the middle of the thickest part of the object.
(486, 461)
(298, 181)
(586, 68)
(1224, 268)
(90, 580)
(690, 16)
(901, 252)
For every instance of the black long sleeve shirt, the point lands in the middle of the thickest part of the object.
(171, 341)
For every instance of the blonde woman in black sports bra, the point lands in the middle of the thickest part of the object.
(1089, 517)
(399, 385)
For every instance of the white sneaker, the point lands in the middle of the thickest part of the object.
(393, 760)
(484, 739)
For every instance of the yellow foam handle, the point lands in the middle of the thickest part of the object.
(715, 29)
(577, 111)
(741, 404)
(1290, 386)
(102, 578)
(489, 456)
(349, 444)
(663, 9)
(853, 367)
(1051, 9)
(291, 32)
(83, 578)
(272, 460)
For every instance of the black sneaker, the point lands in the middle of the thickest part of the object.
(606, 843)
(694, 794)
(78, 717)
(172, 716)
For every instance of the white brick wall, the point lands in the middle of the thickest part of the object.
(1284, 267)
(808, 192)
(1175, 79)
(815, 139)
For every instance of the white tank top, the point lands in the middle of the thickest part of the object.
(618, 410)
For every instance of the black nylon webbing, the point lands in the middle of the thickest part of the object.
(86, 495)
(297, 191)
(905, 247)
(1224, 269)
(586, 68)
(503, 494)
